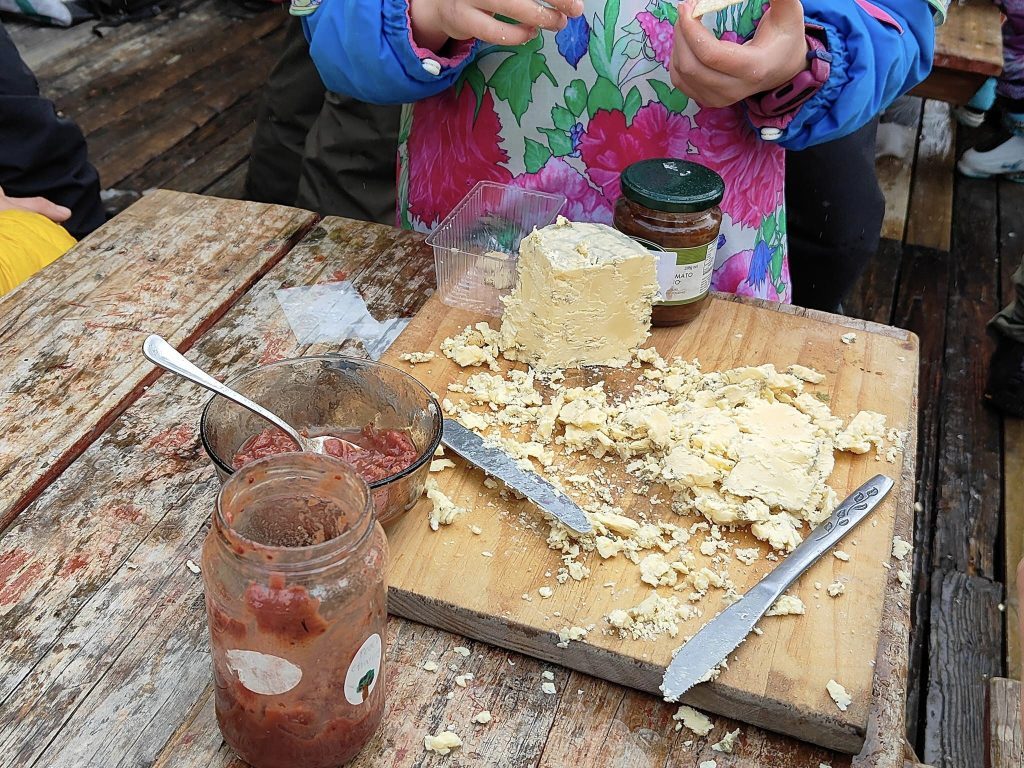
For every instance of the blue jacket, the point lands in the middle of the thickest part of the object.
(364, 49)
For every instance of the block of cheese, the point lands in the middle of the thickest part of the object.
(583, 297)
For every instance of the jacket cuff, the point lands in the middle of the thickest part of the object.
(419, 63)
(771, 112)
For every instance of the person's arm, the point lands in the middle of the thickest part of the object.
(879, 50)
(401, 51)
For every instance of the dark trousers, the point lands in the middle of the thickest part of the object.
(834, 212)
(318, 150)
(42, 154)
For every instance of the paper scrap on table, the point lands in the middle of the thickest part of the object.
(335, 312)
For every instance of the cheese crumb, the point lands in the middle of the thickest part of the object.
(476, 529)
(848, 338)
(787, 605)
(694, 720)
(430, 666)
(460, 680)
(803, 373)
(443, 510)
(482, 718)
(867, 428)
(839, 695)
(545, 592)
(708, 764)
(548, 675)
(836, 588)
(727, 743)
(904, 577)
(439, 465)
(841, 555)
(900, 548)
(443, 743)
(747, 556)
(191, 565)
(461, 650)
(414, 358)
(548, 688)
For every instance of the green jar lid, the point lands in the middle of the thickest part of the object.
(672, 185)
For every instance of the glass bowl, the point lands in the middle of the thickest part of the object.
(329, 393)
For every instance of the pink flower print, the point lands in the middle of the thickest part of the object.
(450, 151)
(753, 170)
(609, 146)
(584, 202)
(735, 276)
(659, 35)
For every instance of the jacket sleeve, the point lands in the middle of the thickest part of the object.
(365, 49)
(880, 50)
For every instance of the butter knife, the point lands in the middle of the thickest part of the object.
(498, 463)
(723, 634)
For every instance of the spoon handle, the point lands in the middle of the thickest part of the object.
(163, 354)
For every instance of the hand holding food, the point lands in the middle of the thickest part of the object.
(435, 22)
(718, 73)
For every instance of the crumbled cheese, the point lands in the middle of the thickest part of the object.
(414, 358)
(904, 577)
(836, 588)
(571, 634)
(439, 465)
(867, 428)
(708, 764)
(460, 680)
(839, 695)
(727, 743)
(841, 555)
(548, 688)
(430, 666)
(803, 373)
(900, 548)
(848, 338)
(482, 718)
(476, 529)
(545, 592)
(443, 510)
(443, 743)
(461, 650)
(747, 556)
(787, 605)
(694, 720)
(191, 565)
(654, 616)
(475, 345)
(547, 675)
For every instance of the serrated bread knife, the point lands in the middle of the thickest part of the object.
(497, 463)
(718, 638)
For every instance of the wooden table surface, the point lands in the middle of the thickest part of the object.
(968, 51)
(104, 656)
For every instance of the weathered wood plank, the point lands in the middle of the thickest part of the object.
(231, 185)
(966, 650)
(1005, 740)
(922, 297)
(124, 145)
(969, 480)
(895, 176)
(1011, 252)
(929, 222)
(39, 45)
(874, 296)
(69, 336)
(970, 40)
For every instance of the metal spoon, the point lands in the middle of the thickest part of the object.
(167, 357)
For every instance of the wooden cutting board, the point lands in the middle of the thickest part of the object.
(776, 680)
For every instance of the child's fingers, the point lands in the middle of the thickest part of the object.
(526, 12)
(571, 8)
(52, 211)
(483, 26)
(787, 13)
(720, 55)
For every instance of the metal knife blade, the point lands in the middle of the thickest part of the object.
(501, 465)
(695, 660)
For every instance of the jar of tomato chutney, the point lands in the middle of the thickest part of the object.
(671, 205)
(294, 569)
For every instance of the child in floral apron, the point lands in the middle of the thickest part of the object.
(562, 97)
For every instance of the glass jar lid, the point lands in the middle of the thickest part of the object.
(672, 185)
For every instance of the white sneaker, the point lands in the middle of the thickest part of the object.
(969, 117)
(1006, 159)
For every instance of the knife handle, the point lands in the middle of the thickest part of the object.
(843, 519)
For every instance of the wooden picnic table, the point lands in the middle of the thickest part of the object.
(106, 494)
(968, 51)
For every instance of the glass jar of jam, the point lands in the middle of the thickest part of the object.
(294, 569)
(671, 205)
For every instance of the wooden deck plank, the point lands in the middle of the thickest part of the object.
(125, 145)
(895, 175)
(929, 222)
(874, 296)
(116, 619)
(970, 482)
(69, 336)
(966, 649)
(1005, 740)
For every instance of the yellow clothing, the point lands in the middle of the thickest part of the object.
(28, 242)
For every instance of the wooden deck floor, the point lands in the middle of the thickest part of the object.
(170, 102)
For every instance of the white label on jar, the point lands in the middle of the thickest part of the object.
(364, 671)
(262, 673)
(666, 264)
(693, 270)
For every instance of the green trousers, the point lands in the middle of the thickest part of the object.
(319, 150)
(1010, 322)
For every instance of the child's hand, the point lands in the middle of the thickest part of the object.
(434, 22)
(52, 211)
(717, 73)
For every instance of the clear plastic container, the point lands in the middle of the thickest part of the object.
(476, 247)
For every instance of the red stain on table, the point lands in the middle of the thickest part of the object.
(12, 586)
(126, 512)
(338, 276)
(278, 346)
(173, 440)
(76, 563)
